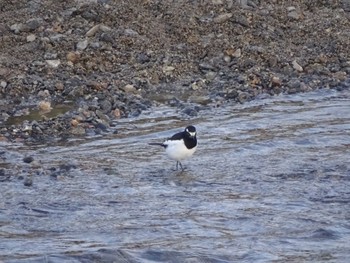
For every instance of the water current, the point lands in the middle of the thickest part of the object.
(270, 182)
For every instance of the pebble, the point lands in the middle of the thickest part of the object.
(53, 63)
(34, 23)
(93, 31)
(296, 66)
(28, 159)
(44, 106)
(222, 18)
(129, 88)
(3, 84)
(82, 45)
(295, 15)
(276, 81)
(237, 53)
(243, 97)
(17, 28)
(31, 38)
(116, 113)
(28, 181)
(73, 57)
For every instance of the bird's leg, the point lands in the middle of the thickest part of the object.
(181, 166)
(177, 165)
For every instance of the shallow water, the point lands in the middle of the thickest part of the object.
(270, 182)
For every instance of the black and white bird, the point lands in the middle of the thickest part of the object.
(181, 145)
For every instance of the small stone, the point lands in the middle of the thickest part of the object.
(130, 32)
(106, 106)
(50, 55)
(28, 181)
(129, 88)
(59, 86)
(217, 2)
(294, 15)
(33, 23)
(28, 159)
(204, 100)
(54, 63)
(168, 70)
(276, 81)
(31, 38)
(104, 28)
(17, 28)
(190, 111)
(78, 130)
(210, 75)
(237, 53)
(92, 31)
(44, 93)
(82, 45)
(101, 126)
(222, 18)
(296, 66)
(227, 59)
(74, 122)
(340, 75)
(243, 97)
(116, 113)
(3, 84)
(45, 106)
(73, 57)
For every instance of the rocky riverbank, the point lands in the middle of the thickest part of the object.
(71, 68)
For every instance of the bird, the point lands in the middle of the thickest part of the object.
(181, 145)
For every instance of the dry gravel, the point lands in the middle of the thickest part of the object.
(100, 60)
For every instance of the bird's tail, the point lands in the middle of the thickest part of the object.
(157, 143)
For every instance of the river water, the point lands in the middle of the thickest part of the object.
(270, 182)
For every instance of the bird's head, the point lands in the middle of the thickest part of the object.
(191, 131)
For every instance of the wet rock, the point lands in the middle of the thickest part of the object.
(116, 113)
(204, 100)
(67, 166)
(190, 111)
(243, 97)
(28, 181)
(100, 127)
(3, 176)
(276, 81)
(28, 159)
(106, 106)
(79, 130)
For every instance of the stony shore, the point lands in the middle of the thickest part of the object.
(71, 68)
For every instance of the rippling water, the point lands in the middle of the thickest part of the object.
(270, 182)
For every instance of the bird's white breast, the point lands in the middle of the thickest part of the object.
(177, 150)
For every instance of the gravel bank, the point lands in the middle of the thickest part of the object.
(71, 68)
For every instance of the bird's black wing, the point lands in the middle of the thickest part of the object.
(177, 136)
(157, 143)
